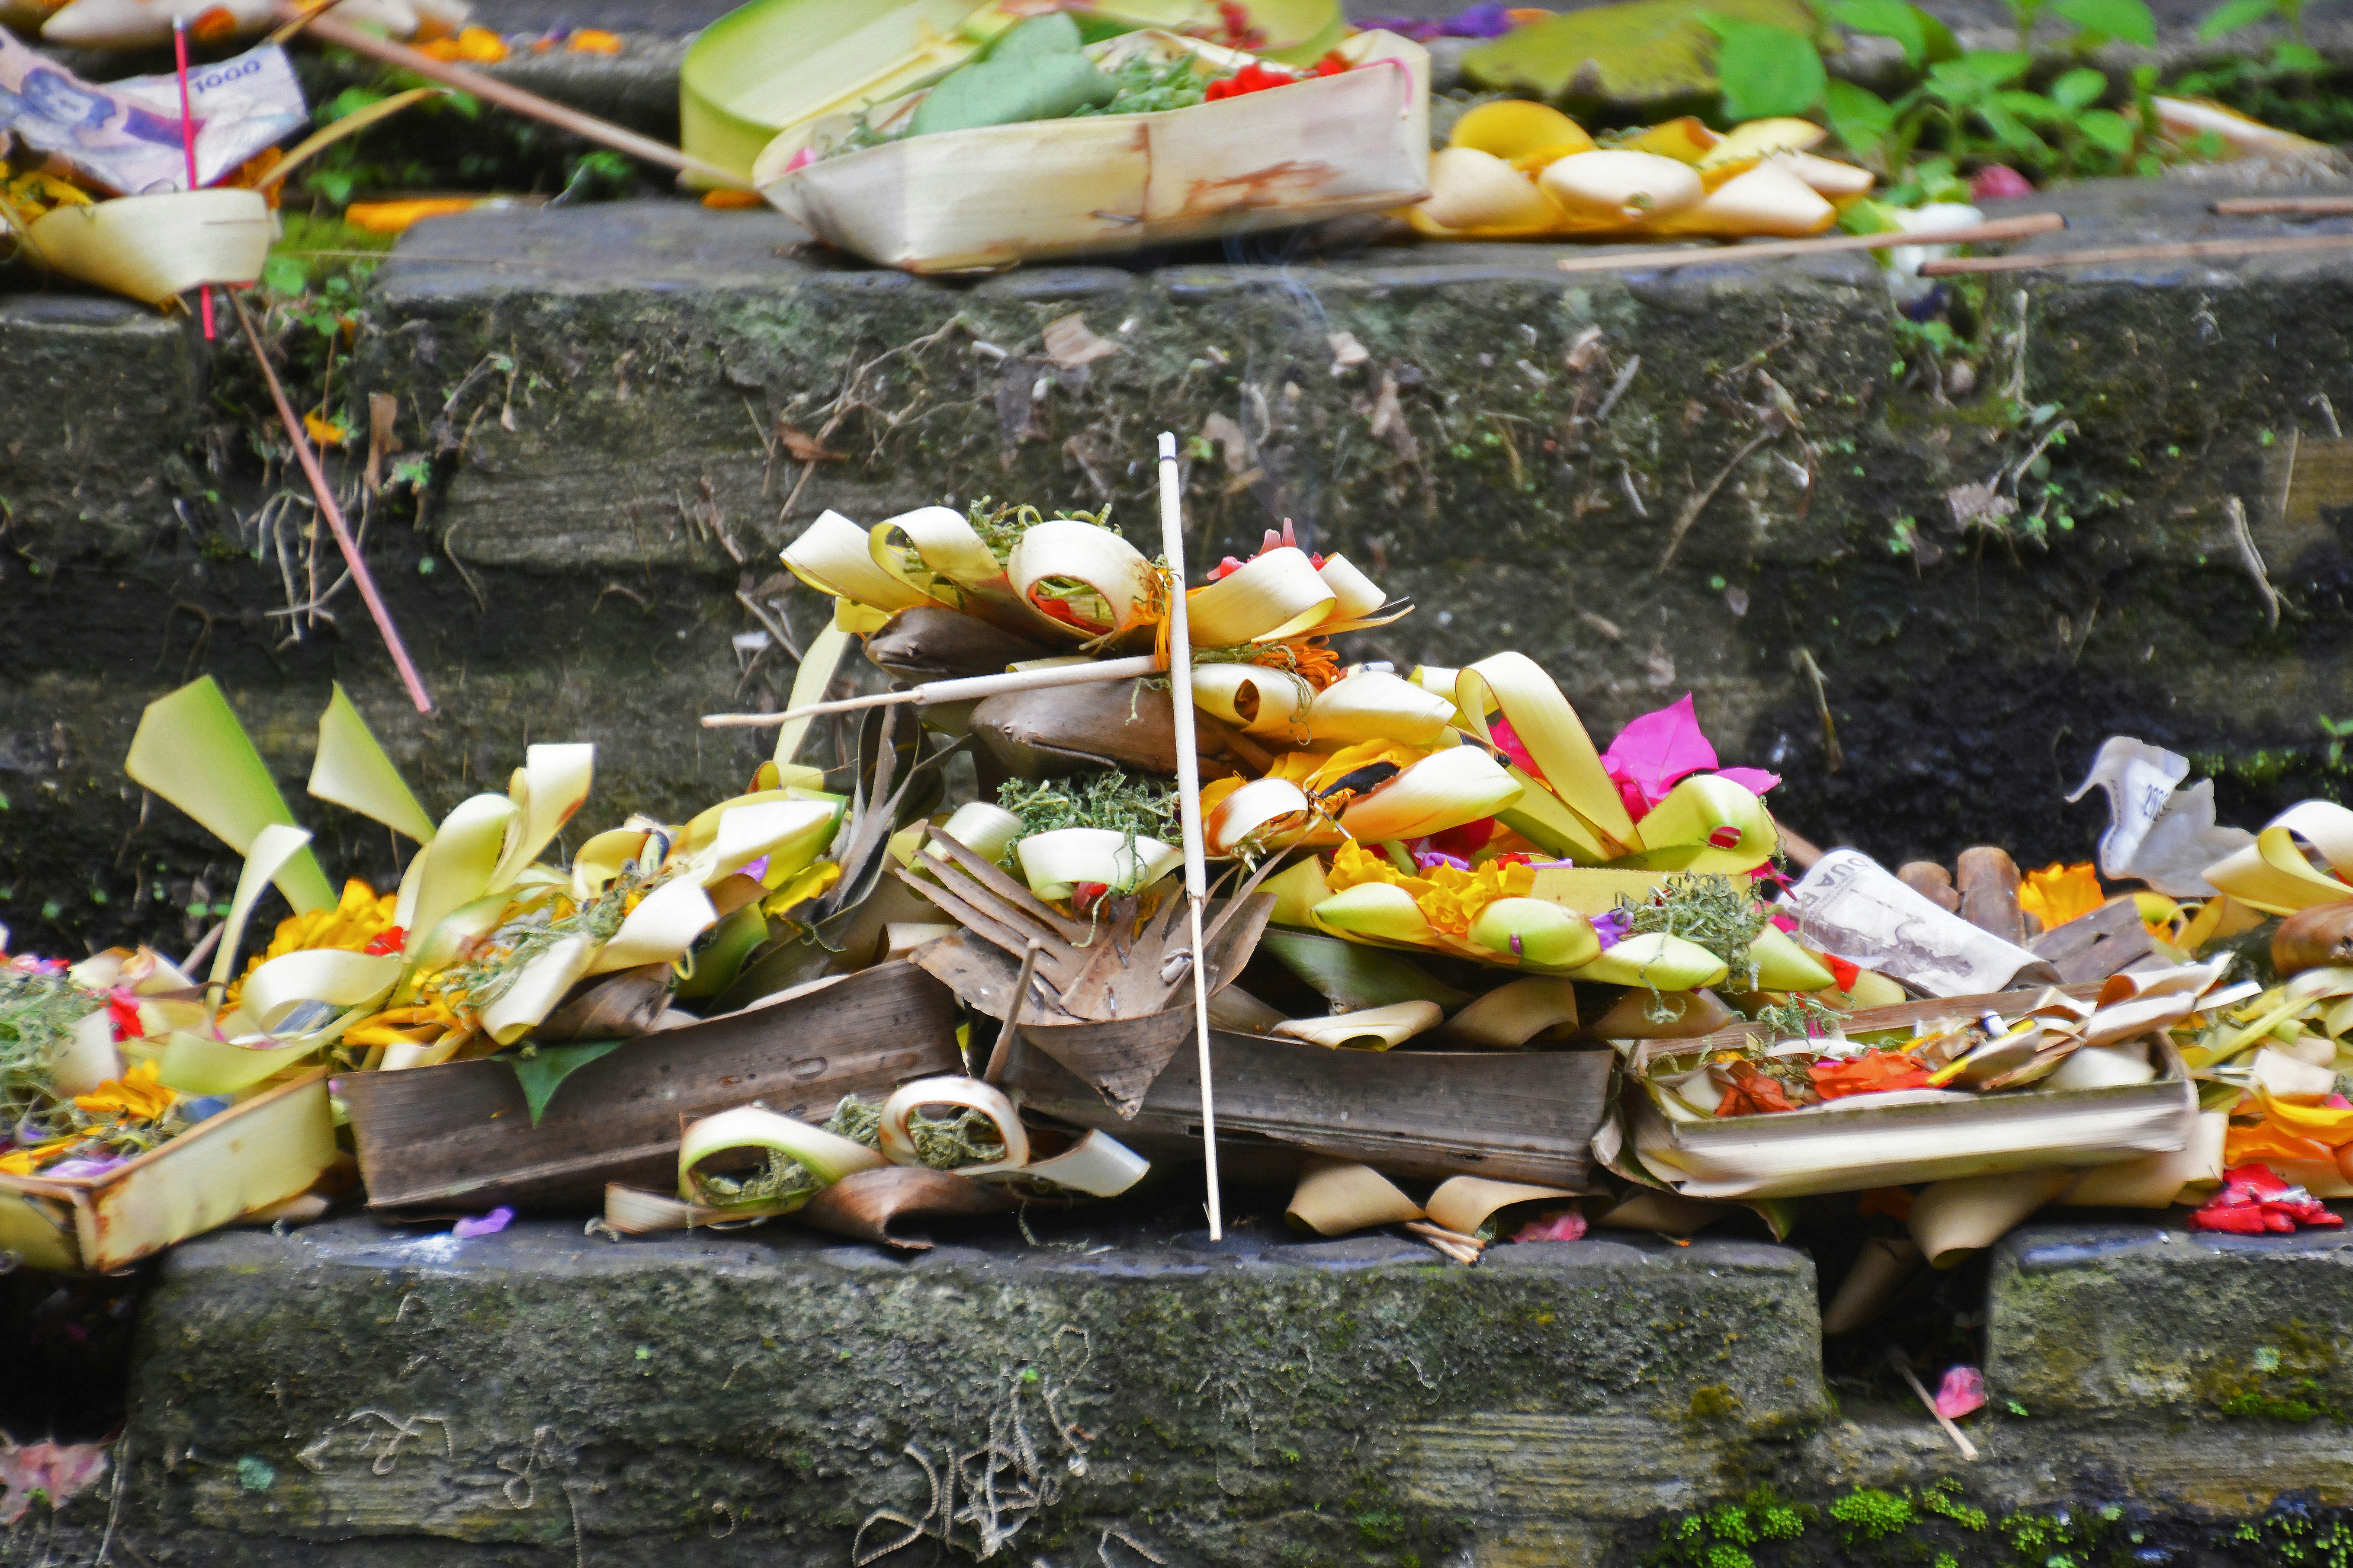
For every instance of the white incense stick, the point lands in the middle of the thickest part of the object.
(965, 690)
(1188, 793)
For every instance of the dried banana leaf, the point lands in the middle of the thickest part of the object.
(928, 642)
(1117, 724)
(1514, 1116)
(609, 1006)
(865, 1205)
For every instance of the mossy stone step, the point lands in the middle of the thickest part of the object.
(344, 1394)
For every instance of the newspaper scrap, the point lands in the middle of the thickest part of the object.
(125, 136)
(2161, 834)
(1851, 905)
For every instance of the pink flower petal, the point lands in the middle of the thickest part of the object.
(1755, 781)
(1962, 1391)
(1655, 749)
(1507, 741)
(1563, 1225)
(1997, 181)
(59, 1471)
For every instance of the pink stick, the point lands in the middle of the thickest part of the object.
(334, 515)
(188, 141)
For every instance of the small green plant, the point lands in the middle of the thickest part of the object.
(2337, 731)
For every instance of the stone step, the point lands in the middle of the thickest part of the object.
(349, 1394)
(605, 387)
(342, 1394)
(2196, 1369)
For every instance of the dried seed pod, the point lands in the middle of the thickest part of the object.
(2310, 938)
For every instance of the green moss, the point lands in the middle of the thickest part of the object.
(1873, 1514)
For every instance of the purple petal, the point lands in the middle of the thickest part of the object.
(490, 1224)
(83, 1167)
(1429, 857)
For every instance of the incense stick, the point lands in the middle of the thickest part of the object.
(1976, 234)
(491, 90)
(1188, 793)
(2190, 250)
(334, 515)
(188, 143)
(2293, 206)
(964, 689)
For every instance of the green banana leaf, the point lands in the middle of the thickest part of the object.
(544, 1072)
(1643, 57)
(1355, 975)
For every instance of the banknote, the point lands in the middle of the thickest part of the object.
(1853, 907)
(126, 136)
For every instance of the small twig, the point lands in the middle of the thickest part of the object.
(1968, 1449)
(333, 514)
(2329, 411)
(1003, 1051)
(2249, 557)
(204, 948)
(776, 628)
(1832, 758)
(1707, 493)
(1617, 390)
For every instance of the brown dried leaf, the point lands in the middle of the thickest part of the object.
(803, 446)
(1069, 344)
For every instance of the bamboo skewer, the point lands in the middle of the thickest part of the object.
(2185, 250)
(1976, 234)
(309, 460)
(1895, 1359)
(1188, 795)
(967, 689)
(2291, 207)
(1002, 1053)
(490, 90)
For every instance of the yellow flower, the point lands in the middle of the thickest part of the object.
(800, 888)
(357, 919)
(325, 432)
(136, 1096)
(1448, 898)
(474, 45)
(24, 1162)
(2057, 894)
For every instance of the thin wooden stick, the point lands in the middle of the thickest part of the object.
(309, 459)
(1188, 793)
(1895, 1359)
(966, 689)
(2188, 250)
(490, 90)
(1003, 1051)
(1976, 234)
(2293, 206)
